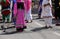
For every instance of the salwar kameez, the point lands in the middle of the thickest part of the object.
(28, 15)
(47, 13)
(19, 12)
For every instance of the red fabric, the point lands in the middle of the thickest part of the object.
(5, 4)
(6, 12)
(7, 0)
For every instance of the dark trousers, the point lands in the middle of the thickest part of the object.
(39, 14)
(4, 17)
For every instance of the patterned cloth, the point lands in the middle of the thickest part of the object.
(46, 11)
(5, 9)
(19, 14)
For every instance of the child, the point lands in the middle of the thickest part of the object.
(47, 13)
(5, 12)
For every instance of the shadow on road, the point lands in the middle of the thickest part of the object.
(55, 21)
(8, 33)
(38, 29)
(25, 31)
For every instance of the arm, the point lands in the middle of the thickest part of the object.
(15, 8)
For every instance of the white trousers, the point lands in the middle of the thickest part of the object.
(28, 15)
(48, 21)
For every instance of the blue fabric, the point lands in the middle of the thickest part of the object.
(40, 2)
(40, 11)
(14, 20)
(14, 1)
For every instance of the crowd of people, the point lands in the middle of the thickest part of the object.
(20, 13)
(55, 7)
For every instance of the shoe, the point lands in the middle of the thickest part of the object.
(2, 27)
(31, 21)
(17, 29)
(57, 24)
(26, 21)
(46, 27)
(50, 26)
(24, 27)
(4, 30)
(21, 30)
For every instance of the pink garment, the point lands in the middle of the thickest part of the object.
(28, 15)
(19, 13)
(27, 4)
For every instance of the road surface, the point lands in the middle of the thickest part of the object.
(35, 30)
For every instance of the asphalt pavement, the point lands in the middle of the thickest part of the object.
(35, 30)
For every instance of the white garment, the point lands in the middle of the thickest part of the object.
(46, 11)
(48, 21)
(11, 5)
(28, 15)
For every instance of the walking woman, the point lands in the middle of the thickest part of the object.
(47, 13)
(19, 12)
(28, 15)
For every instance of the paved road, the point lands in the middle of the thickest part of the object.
(35, 30)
